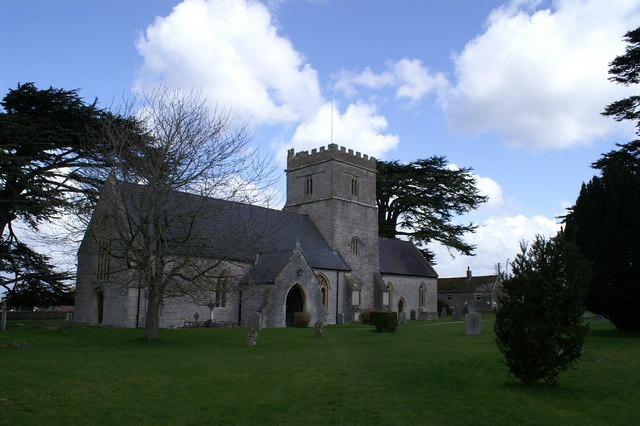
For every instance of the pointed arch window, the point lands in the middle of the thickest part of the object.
(324, 290)
(422, 295)
(103, 262)
(355, 245)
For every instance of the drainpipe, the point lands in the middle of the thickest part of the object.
(138, 306)
(337, 293)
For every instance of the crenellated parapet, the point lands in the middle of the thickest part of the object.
(331, 152)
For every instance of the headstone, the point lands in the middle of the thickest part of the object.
(259, 315)
(252, 336)
(457, 313)
(319, 329)
(473, 324)
(443, 311)
(413, 316)
(340, 318)
(402, 317)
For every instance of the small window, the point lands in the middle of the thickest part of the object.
(355, 245)
(103, 265)
(355, 186)
(478, 297)
(449, 297)
(308, 185)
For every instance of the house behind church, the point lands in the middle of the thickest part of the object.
(321, 254)
(476, 294)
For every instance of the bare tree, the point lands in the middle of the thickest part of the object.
(158, 201)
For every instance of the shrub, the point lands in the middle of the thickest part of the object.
(301, 319)
(385, 321)
(364, 316)
(538, 324)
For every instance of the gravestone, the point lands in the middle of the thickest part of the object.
(413, 316)
(340, 318)
(319, 329)
(443, 311)
(252, 336)
(473, 323)
(457, 313)
(402, 317)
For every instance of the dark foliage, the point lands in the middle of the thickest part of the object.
(605, 225)
(605, 221)
(47, 144)
(30, 278)
(384, 321)
(538, 325)
(421, 199)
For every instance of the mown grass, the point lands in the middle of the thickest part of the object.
(422, 374)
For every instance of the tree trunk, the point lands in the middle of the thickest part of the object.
(152, 322)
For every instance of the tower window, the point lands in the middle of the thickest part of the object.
(355, 186)
(308, 185)
(355, 245)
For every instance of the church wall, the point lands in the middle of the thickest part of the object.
(407, 288)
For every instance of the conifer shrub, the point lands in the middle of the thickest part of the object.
(301, 319)
(539, 326)
(384, 321)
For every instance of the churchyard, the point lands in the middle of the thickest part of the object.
(425, 373)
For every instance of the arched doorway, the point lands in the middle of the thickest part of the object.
(98, 306)
(401, 305)
(295, 303)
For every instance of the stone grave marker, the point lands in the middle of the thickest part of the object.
(252, 337)
(473, 324)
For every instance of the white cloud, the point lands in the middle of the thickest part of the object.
(497, 239)
(412, 81)
(360, 128)
(540, 77)
(231, 50)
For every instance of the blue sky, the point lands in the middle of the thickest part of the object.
(512, 89)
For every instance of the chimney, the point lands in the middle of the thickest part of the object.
(468, 273)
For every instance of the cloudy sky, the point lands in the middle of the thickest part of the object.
(512, 89)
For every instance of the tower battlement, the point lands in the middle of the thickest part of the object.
(331, 152)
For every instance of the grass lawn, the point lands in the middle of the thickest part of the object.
(425, 373)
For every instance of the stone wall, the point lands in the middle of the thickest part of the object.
(407, 288)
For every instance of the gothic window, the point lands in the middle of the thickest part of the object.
(355, 186)
(324, 290)
(308, 185)
(103, 263)
(422, 293)
(221, 290)
(355, 245)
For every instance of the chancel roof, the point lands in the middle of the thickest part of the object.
(403, 258)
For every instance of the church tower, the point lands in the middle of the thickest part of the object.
(336, 189)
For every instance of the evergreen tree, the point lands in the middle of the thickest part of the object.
(538, 325)
(605, 221)
(47, 143)
(420, 200)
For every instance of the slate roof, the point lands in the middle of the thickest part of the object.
(466, 285)
(267, 267)
(403, 258)
(237, 231)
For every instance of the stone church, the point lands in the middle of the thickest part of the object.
(321, 254)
